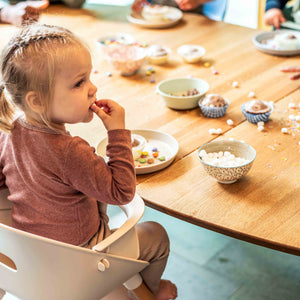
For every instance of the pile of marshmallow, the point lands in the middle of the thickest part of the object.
(222, 159)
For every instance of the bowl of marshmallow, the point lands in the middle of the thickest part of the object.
(226, 160)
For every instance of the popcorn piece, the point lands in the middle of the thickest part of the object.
(235, 84)
(292, 105)
(229, 122)
(251, 95)
(261, 123)
(215, 131)
(284, 130)
(260, 128)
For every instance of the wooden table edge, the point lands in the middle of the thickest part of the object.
(226, 231)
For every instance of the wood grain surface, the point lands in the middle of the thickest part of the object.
(262, 207)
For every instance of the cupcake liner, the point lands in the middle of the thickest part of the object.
(213, 112)
(255, 118)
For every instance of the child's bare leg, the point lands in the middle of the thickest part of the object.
(167, 290)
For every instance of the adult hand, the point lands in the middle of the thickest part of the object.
(190, 4)
(274, 17)
(138, 5)
(292, 70)
(110, 112)
(23, 12)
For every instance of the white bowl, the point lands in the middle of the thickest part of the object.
(228, 175)
(191, 53)
(171, 90)
(126, 59)
(113, 40)
(154, 13)
(154, 54)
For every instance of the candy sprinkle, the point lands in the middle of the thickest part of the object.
(152, 80)
(206, 64)
(162, 158)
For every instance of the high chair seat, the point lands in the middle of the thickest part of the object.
(35, 268)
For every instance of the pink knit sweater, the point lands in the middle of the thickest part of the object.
(55, 180)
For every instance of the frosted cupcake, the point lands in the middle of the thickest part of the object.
(286, 41)
(213, 105)
(138, 144)
(191, 53)
(157, 54)
(257, 111)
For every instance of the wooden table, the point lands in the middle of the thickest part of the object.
(262, 207)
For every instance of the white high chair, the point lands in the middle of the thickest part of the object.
(38, 268)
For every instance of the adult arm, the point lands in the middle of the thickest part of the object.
(22, 12)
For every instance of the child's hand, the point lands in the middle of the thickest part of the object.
(274, 17)
(110, 112)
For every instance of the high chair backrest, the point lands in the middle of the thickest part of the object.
(50, 270)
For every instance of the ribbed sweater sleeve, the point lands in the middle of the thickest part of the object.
(275, 4)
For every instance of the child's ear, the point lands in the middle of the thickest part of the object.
(34, 102)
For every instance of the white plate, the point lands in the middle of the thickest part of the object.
(165, 143)
(173, 16)
(263, 40)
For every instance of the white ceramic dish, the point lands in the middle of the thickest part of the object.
(166, 144)
(172, 17)
(171, 91)
(263, 42)
(191, 53)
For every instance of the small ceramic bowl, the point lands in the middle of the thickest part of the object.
(228, 174)
(157, 55)
(113, 40)
(213, 112)
(154, 13)
(255, 118)
(191, 53)
(138, 143)
(126, 59)
(174, 92)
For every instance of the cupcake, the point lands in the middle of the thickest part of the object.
(138, 144)
(286, 41)
(191, 53)
(257, 111)
(213, 105)
(157, 54)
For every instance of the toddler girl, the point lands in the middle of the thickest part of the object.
(58, 186)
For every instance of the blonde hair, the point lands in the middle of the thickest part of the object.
(29, 63)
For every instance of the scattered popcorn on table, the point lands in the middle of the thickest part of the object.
(260, 123)
(229, 122)
(251, 95)
(260, 128)
(292, 105)
(284, 130)
(215, 131)
(235, 84)
(222, 159)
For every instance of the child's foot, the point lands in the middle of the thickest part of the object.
(167, 290)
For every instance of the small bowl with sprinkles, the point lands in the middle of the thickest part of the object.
(114, 40)
(182, 93)
(257, 111)
(127, 59)
(226, 160)
(213, 106)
